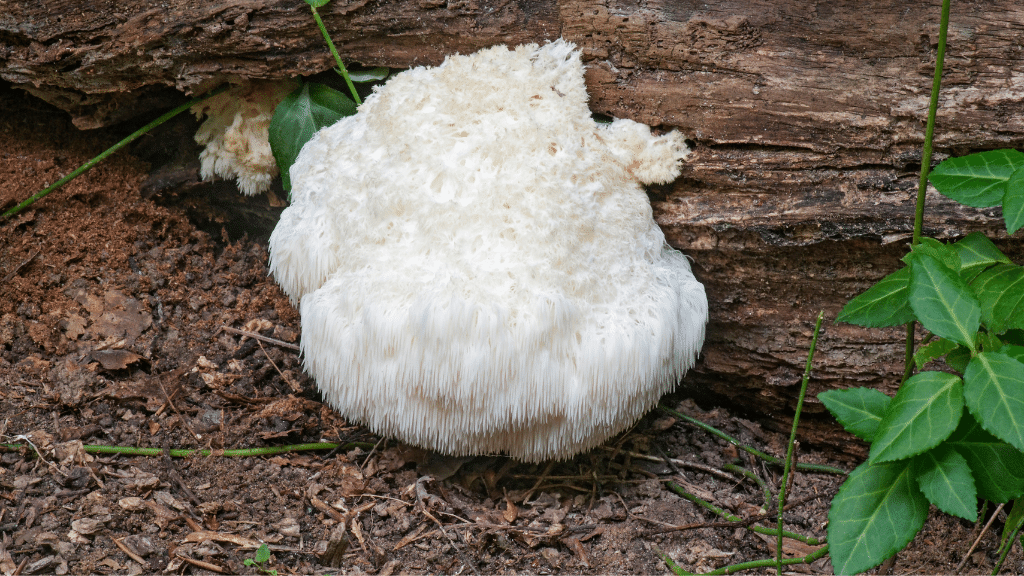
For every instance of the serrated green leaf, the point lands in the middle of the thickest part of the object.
(924, 412)
(371, 75)
(300, 115)
(945, 479)
(1000, 292)
(877, 511)
(858, 410)
(994, 391)
(1013, 201)
(887, 303)
(942, 301)
(945, 253)
(935, 349)
(977, 252)
(977, 180)
(997, 467)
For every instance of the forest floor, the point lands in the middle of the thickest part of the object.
(118, 326)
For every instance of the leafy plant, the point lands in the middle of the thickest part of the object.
(313, 106)
(925, 447)
(260, 560)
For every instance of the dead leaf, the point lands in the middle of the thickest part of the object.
(115, 359)
(73, 326)
(511, 511)
(133, 503)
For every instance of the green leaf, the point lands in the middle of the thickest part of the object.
(945, 478)
(877, 511)
(1000, 291)
(371, 75)
(977, 180)
(300, 115)
(945, 253)
(935, 349)
(317, 3)
(958, 358)
(924, 412)
(262, 553)
(884, 304)
(859, 410)
(997, 467)
(977, 252)
(994, 390)
(1013, 351)
(942, 301)
(1014, 520)
(1013, 201)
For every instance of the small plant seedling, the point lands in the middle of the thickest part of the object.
(260, 560)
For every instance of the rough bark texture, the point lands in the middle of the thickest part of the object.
(807, 118)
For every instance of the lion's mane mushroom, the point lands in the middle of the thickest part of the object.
(235, 133)
(477, 265)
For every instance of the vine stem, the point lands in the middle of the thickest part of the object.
(926, 163)
(337, 57)
(788, 468)
(103, 156)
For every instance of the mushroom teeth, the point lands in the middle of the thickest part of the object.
(476, 263)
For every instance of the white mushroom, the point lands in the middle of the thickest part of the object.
(235, 133)
(477, 265)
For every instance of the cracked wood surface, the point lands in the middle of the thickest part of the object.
(807, 119)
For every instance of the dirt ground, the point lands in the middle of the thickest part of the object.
(112, 316)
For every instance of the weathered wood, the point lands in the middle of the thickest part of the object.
(807, 118)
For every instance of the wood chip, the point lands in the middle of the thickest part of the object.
(203, 535)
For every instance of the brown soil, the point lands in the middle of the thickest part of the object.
(111, 309)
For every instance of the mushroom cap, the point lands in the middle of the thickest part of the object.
(476, 263)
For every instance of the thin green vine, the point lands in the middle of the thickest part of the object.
(103, 156)
(788, 468)
(313, 5)
(926, 163)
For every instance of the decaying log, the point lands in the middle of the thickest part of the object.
(807, 119)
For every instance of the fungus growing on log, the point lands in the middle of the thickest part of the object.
(476, 263)
(235, 133)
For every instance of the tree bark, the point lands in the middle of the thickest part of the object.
(807, 119)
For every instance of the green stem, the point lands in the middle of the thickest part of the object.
(748, 449)
(337, 57)
(926, 163)
(240, 453)
(88, 165)
(809, 559)
(810, 540)
(753, 478)
(787, 469)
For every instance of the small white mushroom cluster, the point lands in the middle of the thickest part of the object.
(477, 265)
(235, 133)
